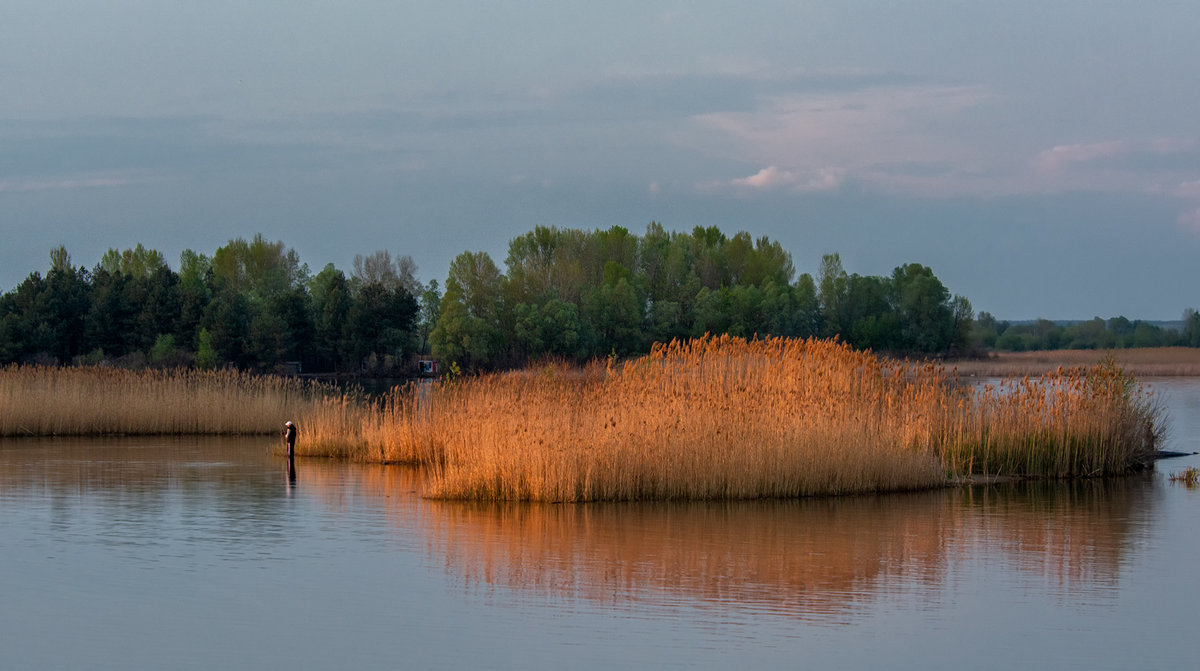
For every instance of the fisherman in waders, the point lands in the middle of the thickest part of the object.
(289, 435)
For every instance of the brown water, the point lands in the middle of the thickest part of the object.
(207, 553)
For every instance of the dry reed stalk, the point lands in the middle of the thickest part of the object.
(44, 401)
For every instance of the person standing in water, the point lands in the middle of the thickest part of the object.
(289, 435)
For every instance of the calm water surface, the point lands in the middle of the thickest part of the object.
(205, 553)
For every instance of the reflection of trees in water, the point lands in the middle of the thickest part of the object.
(818, 558)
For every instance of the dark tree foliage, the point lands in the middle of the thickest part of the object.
(1096, 333)
(111, 322)
(252, 305)
(610, 292)
(380, 322)
(564, 293)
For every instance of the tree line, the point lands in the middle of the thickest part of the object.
(252, 305)
(1097, 333)
(580, 294)
(566, 293)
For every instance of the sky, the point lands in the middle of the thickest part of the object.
(1043, 158)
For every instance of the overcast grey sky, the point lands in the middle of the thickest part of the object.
(1042, 157)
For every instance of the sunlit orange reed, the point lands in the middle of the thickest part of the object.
(726, 418)
(46, 401)
(1189, 477)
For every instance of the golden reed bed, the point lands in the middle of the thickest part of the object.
(714, 418)
(724, 418)
(95, 401)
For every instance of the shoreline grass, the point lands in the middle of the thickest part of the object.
(717, 418)
(97, 401)
(1141, 362)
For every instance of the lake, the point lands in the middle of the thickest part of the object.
(201, 553)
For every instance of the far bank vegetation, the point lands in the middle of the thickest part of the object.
(97, 401)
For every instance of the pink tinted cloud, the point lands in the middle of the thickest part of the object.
(1188, 189)
(773, 177)
(1063, 156)
(767, 178)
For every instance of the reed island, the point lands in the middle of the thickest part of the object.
(710, 418)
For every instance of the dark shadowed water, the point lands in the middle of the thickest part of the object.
(206, 554)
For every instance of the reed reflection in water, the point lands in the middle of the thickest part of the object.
(206, 550)
(822, 559)
(825, 560)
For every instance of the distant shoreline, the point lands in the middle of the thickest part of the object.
(1141, 362)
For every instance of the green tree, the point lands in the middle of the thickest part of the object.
(1122, 331)
(258, 267)
(1091, 334)
(23, 329)
(461, 337)
(430, 306)
(711, 314)
(832, 296)
(1147, 335)
(206, 354)
(708, 252)
(468, 329)
(161, 303)
(985, 331)
(63, 308)
(227, 319)
(330, 295)
(923, 306)
(380, 322)
(195, 277)
(613, 313)
(1191, 327)
(808, 307)
(110, 324)
(138, 262)
(873, 322)
(747, 312)
(964, 323)
(534, 266)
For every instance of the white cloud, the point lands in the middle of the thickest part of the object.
(772, 177)
(1064, 156)
(767, 178)
(864, 131)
